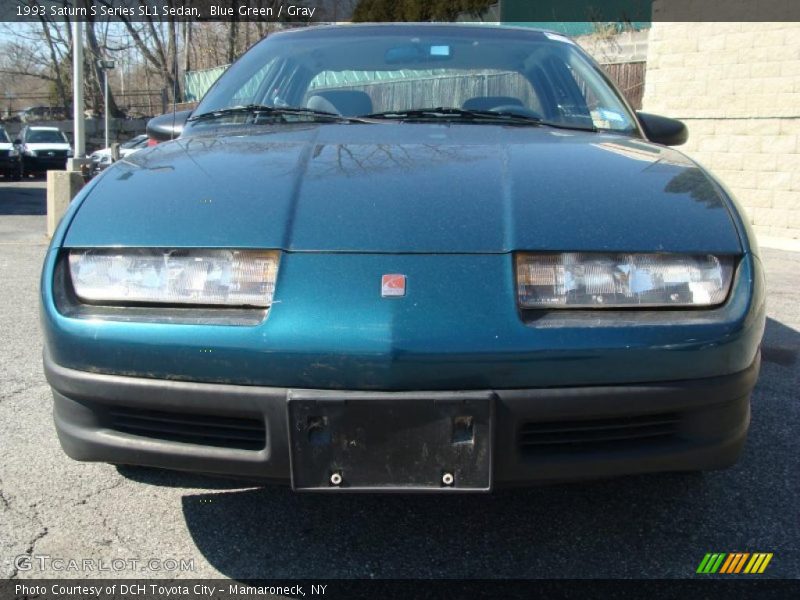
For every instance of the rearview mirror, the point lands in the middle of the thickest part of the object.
(663, 130)
(417, 53)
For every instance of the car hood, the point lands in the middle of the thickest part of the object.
(432, 188)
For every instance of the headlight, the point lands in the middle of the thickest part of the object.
(584, 280)
(70, 153)
(159, 276)
(28, 152)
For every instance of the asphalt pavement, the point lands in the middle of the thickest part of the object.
(647, 526)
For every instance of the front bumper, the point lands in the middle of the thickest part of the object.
(44, 163)
(540, 435)
(7, 163)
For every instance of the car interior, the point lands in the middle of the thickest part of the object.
(349, 103)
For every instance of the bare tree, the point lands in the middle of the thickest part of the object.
(57, 64)
(38, 51)
(232, 31)
(158, 46)
(96, 53)
(152, 55)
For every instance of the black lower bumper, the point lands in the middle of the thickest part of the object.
(44, 163)
(540, 435)
(8, 164)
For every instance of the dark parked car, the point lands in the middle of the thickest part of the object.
(41, 149)
(407, 257)
(8, 156)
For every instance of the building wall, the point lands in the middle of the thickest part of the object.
(737, 87)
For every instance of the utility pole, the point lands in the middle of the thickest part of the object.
(62, 186)
(105, 98)
(77, 90)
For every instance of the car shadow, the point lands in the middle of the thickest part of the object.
(273, 532)
(178, 479)
(639, 526)
(16, 199)
(781, 344)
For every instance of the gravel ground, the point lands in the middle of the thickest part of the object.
(650, 526)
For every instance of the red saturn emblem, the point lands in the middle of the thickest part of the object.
(393, 285)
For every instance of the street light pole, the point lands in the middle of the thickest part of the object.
(105, 94)
(106, 66)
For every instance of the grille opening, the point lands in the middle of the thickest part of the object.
(204, 430)
(596, 434)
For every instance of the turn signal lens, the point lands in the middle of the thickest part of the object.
(162, 276)
(588, 280)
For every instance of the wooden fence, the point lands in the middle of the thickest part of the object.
(416, 90)
(403, 94)
(629, 78)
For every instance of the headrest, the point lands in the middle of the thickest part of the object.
(349, 103)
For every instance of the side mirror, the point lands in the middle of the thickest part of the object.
(663, 130)
(167, 126)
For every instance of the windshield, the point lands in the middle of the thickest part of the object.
(45, 136)
(359, 71)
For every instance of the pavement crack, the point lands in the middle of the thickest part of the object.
(29, 550)
(99, 491)
(27, 388)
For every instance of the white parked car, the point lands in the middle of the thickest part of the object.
(41, 149)
(101, 159)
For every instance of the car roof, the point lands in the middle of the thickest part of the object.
(403, 28)
(42, 128)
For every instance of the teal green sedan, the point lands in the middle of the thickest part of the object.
(436, 258)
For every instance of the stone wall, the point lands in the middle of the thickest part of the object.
(737, 87)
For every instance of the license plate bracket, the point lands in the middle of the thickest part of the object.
(404, 442)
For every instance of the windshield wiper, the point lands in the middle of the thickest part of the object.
(473, 116)
(441, 113)
(273, 111)
(460, 114)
